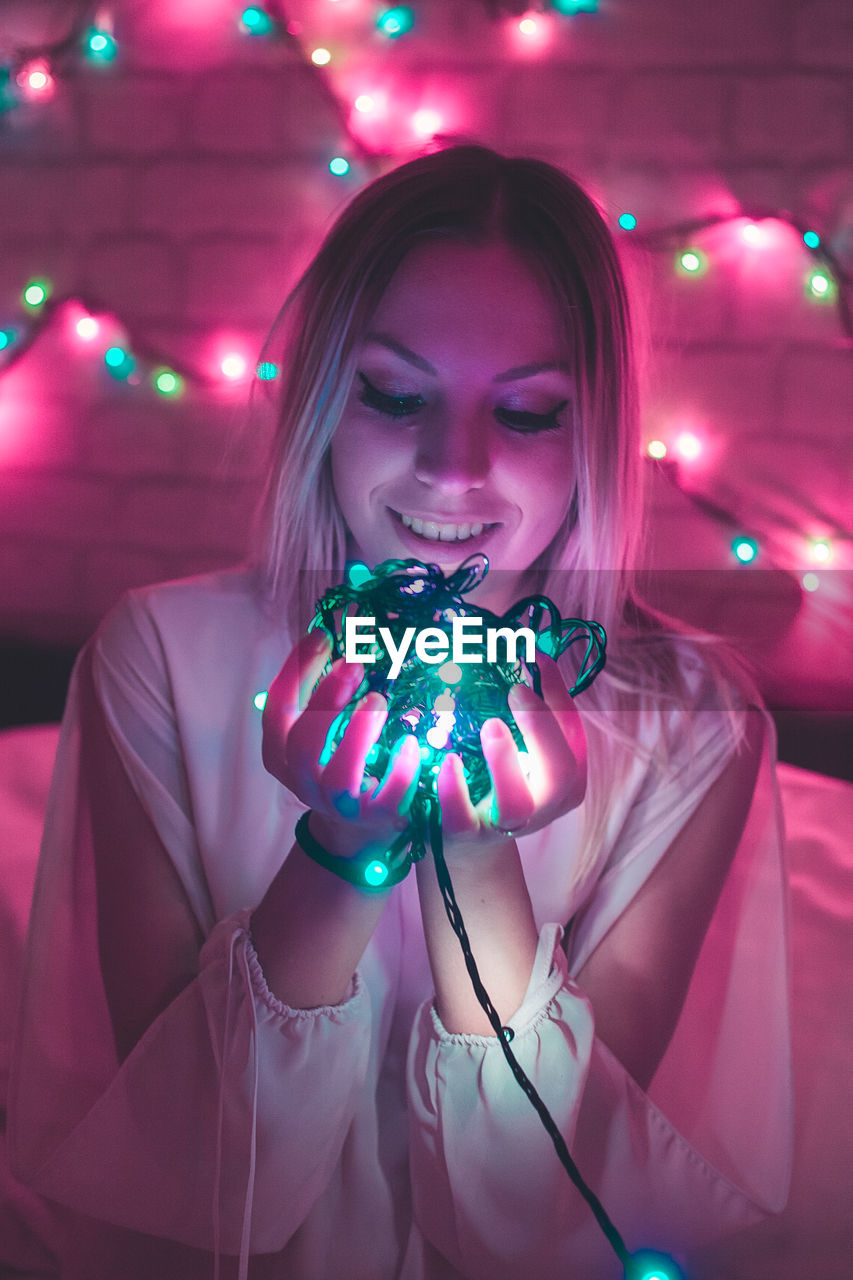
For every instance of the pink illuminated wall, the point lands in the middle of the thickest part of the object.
(178, 189)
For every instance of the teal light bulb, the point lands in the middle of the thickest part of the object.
(375, 873)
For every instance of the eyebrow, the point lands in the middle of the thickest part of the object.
(511, 375)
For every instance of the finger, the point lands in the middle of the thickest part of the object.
(512, 803)
(458, 815)
(309, 741)
(342, 776)
(290, 690)
(287, 693)
(563, 707)
(396, 791)
(550, 758)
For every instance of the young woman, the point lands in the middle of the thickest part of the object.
(229, 1049)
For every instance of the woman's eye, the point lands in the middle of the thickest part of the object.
(516, 420)
(394, 406)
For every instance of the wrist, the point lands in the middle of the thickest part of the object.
(372, 865)
(341, 839)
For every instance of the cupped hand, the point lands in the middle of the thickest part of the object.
(296, 724)
(521, 800)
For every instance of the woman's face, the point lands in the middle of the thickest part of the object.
(456, 435)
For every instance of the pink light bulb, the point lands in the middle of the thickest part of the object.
(689, 446)
(87, 328)
(426, 123)
(36, 81)
(233, 366)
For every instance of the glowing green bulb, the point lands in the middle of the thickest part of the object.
(820, 285)
(260, 699)
(267, 371)
(339, 166)
(396, 22)
(648, 1264)
(811, 239)
(375, 873)
(119, 362)
(575, 6)
(691, 262)
(36, 293)
(627, 222)
(256, 21)
(7, 337)
(101, 45)
(168, 383)
(358, 574)
(746, 549)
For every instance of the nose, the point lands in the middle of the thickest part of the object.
(453, 452)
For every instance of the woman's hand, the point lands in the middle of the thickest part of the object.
(345, 818)
(520, 801)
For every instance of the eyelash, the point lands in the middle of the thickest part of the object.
(405, 406)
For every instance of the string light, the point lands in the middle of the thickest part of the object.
(426, 123)
(627, 221)
(35, 81)
(820, 285)
(234, 366)
(810, 581)
(87, 328)
(119, 362)
(167, 382)
(821, 550)
(100, 46)
(256, 21)
(339, 166)
(266, 371)
(811, 239)
(36, 293)
(396, 22)
(656, 449)
(745, 549)
(691, 262)
(688, 445)
(321, 57)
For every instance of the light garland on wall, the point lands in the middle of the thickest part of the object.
(30, 74)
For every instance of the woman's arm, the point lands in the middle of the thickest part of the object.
(638, 975)
(197, 1026)
(489, 1192)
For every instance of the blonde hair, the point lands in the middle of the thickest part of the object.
(472, 194)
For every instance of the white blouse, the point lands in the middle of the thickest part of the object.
(363, 1139)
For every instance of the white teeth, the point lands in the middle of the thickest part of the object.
(442, 532)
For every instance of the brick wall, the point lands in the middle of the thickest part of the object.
(186, 184)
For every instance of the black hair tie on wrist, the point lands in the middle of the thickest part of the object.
(380, 871)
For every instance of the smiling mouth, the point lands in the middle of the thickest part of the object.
(433, 531)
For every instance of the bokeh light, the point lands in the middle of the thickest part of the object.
(689, 446)
(745, 549)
